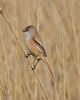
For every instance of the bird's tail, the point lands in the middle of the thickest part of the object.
(49, 66)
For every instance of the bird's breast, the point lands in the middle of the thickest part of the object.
(32, 47)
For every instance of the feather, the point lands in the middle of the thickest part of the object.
(40, 45)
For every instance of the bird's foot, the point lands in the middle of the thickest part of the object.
(36, 64)
(33, 68)
(27, 55)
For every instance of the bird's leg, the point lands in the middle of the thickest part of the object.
(28, 55)
(36, 64)
(38, 59)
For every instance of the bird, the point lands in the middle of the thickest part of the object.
(34, 43)
(35, 46)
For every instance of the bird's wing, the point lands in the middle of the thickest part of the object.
(39, 44)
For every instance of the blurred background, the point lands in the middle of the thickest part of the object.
(58, 22)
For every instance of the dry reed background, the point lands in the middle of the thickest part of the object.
(58, 22)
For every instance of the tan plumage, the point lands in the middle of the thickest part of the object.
(35, 45)
(34, 42)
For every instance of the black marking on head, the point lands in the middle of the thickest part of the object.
(28, 28)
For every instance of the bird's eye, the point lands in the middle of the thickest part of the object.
(27, 29)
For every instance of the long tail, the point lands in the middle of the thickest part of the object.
(49, 67)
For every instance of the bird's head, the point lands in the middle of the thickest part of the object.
(30, 30)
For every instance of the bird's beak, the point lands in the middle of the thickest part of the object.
(24, 30)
